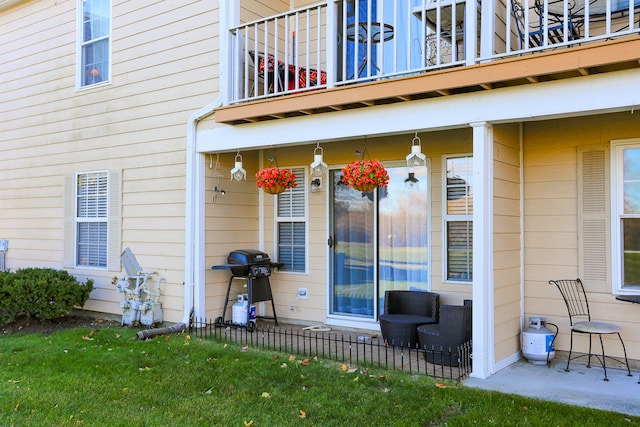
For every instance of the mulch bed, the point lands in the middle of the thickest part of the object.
(71, 321)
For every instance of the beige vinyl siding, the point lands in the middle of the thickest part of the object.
(506, 244)
(553, 160)
(257, 9)
(164, 68)
(232, 222)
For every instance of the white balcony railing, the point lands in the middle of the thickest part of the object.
(340, 42)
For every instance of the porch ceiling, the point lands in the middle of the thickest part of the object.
(595, 58)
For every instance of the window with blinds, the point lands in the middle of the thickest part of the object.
(458, 219)
(291, 223)
(92, 204)
(626, 218)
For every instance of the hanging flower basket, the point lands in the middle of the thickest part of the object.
(365, 175)
(274, 180)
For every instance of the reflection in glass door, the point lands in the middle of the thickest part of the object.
(379, 241)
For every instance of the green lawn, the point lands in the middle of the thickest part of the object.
(107, 378)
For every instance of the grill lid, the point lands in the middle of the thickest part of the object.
(248, 257)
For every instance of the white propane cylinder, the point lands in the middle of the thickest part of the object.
(537, 342)
(239, 310)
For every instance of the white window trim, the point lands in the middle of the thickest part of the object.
(114, 225)
(78, 220)
(79, 45)
(447, 218)
(617, 147)
(277, 219)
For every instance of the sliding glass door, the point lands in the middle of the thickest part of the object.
(379, 241)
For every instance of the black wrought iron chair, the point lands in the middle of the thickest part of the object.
(442, 341)
(580, 321)
(535, 33)
(404, 311)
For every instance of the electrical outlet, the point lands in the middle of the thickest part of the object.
(303, 293)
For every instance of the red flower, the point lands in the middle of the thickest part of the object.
(273, 177)
(365, 173)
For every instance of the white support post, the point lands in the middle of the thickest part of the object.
(487, 30)
(483, 319)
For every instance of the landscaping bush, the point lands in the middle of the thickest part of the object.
(5, 315)
(40, 293)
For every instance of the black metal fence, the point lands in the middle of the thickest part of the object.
(346, 347)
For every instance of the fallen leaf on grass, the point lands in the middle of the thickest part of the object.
(248, 423)
(16, 407)
(275, 356)
(208, 391)
(266, 395)
(146, 368)
(439, 385)
(305, 362)
(344, 367)
(284, 365)
(86, 338)
(303, 414)
(292, 358)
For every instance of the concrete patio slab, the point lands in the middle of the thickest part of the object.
(580, 386)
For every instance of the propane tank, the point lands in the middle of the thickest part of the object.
(537, 342)
(239, 310)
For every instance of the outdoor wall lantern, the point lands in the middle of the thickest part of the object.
(416, 158)
(316, 184)
(318, 167)
(238, 173)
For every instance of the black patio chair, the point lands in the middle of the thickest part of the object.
(441, 341)
(555, 24)
(404, 311)
(575, 298)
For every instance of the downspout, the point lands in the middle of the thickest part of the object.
(522, 234)
(192, 217)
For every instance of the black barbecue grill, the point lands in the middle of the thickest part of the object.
(255, 267)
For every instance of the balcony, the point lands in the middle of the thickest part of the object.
(342, 54)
